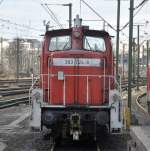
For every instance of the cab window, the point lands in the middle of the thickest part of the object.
(94, 43)
(60, 43)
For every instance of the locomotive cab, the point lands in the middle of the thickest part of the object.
(77, 93)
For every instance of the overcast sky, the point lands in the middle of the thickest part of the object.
(31, 13)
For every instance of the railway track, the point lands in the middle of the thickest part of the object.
(12, 102)
(9, 92)
(20, 82)
(11, 96)
(74, 146)
(139, 103)
(23, 90)
(14, 88)
(4, 81)
(52, 145)
(107, 143)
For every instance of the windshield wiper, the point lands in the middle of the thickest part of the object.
(65, 45)
(88, 43)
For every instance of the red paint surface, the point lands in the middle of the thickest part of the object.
(76, 87)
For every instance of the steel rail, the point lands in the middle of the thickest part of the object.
(13, 92)
(139, 104)
(98, 147)
(14, 81)
(13, 88)
(125, 86)
(13, 102)
(52, 144)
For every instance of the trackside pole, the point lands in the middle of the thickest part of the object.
(130, 54)
(148, 88)
(148, 78)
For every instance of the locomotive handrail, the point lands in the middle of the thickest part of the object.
(92, 75)
(72, 75)
(49, 81)
(32, 86)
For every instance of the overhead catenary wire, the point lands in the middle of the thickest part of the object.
(102, 18)
(80, 14)
(19, 32)
(139, 7)
(98, 15)
(6, 30)
(20, 29)
(11, 24)
(20, 25)
(23, 35)
(50, 12)
(140, 4)
(52, 15)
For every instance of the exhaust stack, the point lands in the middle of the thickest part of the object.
(77, 21)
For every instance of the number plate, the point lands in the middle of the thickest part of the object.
(78, 62)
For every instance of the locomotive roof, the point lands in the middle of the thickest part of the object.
(85, 31)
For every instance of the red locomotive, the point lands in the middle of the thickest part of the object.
(77, 93)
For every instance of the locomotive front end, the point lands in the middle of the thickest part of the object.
(77, 94)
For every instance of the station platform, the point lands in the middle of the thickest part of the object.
(140, 128)
(140, 138)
